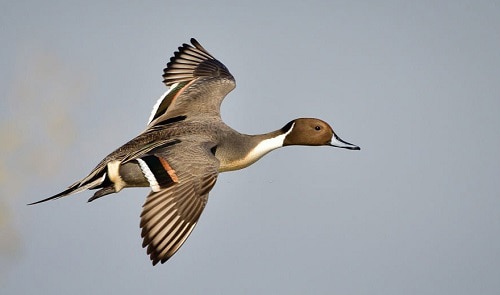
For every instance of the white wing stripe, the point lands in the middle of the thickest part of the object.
(159, 101)
(149, 175)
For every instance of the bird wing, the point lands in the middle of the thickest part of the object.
(181, 178)
(198, 83)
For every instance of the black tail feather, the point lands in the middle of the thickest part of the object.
(96, 182)
(68, 191)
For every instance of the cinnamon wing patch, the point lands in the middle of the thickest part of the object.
(158, 172)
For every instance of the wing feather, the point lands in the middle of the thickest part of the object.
(194, 68)
(170, 214)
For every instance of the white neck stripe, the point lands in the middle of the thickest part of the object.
(268, 145)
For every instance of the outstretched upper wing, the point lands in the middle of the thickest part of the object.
(198, 83)
(181, 178)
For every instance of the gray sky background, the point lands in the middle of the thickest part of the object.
(414, 83)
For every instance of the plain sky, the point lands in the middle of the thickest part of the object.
(414, 83)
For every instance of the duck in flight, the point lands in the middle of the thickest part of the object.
(184, 148)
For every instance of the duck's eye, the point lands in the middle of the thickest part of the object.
(317, 128)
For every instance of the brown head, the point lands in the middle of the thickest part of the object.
(311, 131)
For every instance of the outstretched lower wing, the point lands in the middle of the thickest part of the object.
(171, 212)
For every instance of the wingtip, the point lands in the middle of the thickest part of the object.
(155, 259)
(197, 44)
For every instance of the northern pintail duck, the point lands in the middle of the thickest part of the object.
(185, 146)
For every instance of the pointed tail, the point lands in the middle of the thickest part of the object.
(75, 188)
